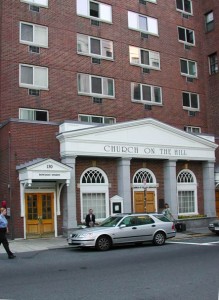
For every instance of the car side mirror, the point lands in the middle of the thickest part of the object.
(122, 226)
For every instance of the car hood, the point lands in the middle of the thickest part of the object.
(93, 230)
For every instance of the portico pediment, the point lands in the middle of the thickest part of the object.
(145, 138)
(43, 169)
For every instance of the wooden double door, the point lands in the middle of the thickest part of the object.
(139, 202)
(39, 214)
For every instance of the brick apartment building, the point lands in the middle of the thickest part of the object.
(107, 104)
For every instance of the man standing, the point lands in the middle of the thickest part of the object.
(90, 218)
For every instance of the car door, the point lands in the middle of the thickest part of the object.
(146, 228)
(128, 231)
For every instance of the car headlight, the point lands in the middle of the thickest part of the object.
(85, 235)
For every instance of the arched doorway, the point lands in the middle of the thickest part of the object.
(144, 191)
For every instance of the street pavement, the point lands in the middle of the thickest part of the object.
(22, 245)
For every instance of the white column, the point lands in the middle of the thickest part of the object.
(170, 186)
(123, 180)
(209, 189)
(69, 193)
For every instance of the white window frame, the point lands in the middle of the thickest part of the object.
(152, 87)
(190, 108)
(34, 43)
(138, 50)
(193, 129)
(89, 76)
(34, 112)
(188, 187)
(209, 24)
(34, 85)
(37, 2)
(94, 188)
(152, 1)
(134, 23)
(89, 53)
(187, 74)
(103, 118)
(105, 10)
(183, 10)
(186, 29)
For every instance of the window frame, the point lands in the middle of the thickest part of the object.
(213, 65)
(183, 10)
(33, 86)
(89, 117)
(85, 12)
(152, 87)
(190, 108)
(99, 95)
(34, 2)
(209, 26)
(34, 35)
(188, 74)
(89, 53)
(185, 34)
(136, 26)
(192, 129)
(150, 52)
(34, 111)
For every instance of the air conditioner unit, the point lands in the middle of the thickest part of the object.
(34, 8)
(95, 60)
(185, 16)
(147, 107)
(187, 47)
(144, 2)
(33, 92)
(145, 70)
(144, 35)
(95, 22)
(189, 79)
(97, 100)
(191, 113)
(34, 49)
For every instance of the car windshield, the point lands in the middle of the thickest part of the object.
(111, 221)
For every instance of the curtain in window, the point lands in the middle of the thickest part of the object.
(83, 83)
(105, 12)
(82, 43)
(152, 25)
(107, 48)
(41, 35)
(26, 114)
(192, 68)
(134, 55)
(41, 77)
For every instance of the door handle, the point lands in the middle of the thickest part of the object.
(153, 225)
(134, 227)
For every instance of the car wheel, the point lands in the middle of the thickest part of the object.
(103, 243)
(159, 239)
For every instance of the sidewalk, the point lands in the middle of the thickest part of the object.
(21, 245)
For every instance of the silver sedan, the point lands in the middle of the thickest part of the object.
(125, 229)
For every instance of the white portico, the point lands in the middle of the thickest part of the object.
(146, 139)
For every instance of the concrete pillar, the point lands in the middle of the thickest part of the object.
(124, 181)
(170, 187)
(69, 197)
(209, 189)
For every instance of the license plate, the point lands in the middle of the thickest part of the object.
(216, 228)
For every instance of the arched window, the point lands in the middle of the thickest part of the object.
(94, 191)
(144, 175)
(187, 193)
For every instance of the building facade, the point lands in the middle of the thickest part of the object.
(110, 105)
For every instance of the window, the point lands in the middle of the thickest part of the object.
(213, 63)
(146, 93)
(184, 6)
(187, 193)
(186, 35)
(92, 46)
(96, 119)
(144, 58)
(94, 191)
(33, 77)
(188, 68)
(209, 21)
(97, 86)
(192, 129)
(142, 23)
(94, 10)
(33, 34)
(43, 3)
(190, 101)
(33, 114)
